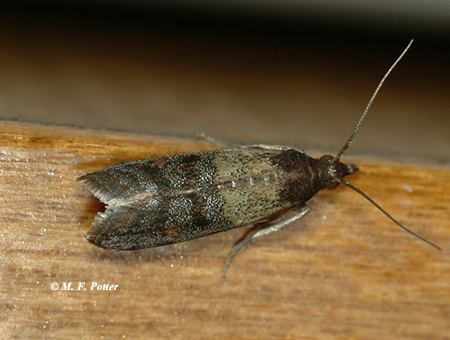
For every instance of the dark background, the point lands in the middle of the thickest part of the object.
(278, 72)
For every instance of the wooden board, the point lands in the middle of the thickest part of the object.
(343, 272)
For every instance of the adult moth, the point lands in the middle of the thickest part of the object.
(168, 199)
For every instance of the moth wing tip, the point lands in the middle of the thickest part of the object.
(96, 188)
(82, 178)
(98, 236)
(93, 238)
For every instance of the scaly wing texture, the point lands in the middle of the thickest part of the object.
(169, 199)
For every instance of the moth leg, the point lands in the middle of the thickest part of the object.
(203, 136)
(264, 229)
(270, 147)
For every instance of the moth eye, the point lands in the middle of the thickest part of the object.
(331, 184)
(326, 158)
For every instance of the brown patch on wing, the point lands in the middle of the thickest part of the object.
(160, 160)
(172, 231)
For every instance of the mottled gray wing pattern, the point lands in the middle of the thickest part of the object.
(126, 180)
(169, 199)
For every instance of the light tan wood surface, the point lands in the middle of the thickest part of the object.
(342, 272)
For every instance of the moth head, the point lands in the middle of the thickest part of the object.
(334, 171)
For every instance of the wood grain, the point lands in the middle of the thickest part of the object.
(342, 272)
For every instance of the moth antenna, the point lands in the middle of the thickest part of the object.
(350, 139)
(369, 104)
(359, 191)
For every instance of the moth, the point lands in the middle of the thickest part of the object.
(168, 199)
